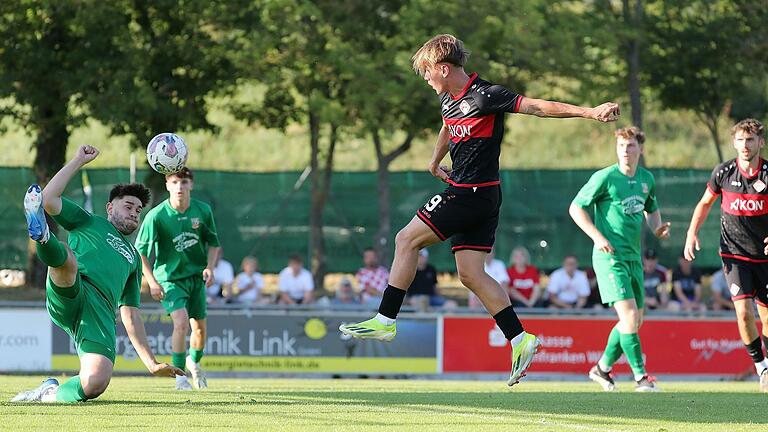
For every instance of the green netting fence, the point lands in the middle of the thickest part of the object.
(261, 214)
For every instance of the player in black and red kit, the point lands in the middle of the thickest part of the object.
(742, 184)
(467, 211)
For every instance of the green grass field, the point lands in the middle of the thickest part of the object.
(393, 405)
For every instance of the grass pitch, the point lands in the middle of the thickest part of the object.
(392, 405)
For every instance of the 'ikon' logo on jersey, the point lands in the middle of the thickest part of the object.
(460, 131)
(747, 205)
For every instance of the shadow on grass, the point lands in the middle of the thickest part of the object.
(615, 408)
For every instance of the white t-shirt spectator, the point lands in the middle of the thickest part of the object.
(295, 286)
(568, 289)
(498, 271)
(223, 274)
(252, 283)
(372, 278)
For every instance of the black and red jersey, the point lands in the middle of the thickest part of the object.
(743, 209)
(475, 122)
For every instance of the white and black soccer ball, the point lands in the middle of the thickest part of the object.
(167, 153)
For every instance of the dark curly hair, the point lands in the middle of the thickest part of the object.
(132, 189)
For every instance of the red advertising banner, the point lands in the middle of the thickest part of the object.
(573, 345)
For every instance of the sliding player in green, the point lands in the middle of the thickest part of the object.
(88, 280)
(620, 195)
(182, 234)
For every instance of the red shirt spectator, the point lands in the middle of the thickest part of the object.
(524, 289)
(523, 281)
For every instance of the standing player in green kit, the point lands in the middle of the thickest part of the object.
(620, 195)
(97, 273)
(182, 234)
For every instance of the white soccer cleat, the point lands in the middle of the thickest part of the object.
(37, 227)
(182, 383)
(198, 376)
(42, 393)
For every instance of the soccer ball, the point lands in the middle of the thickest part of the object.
(167, 153)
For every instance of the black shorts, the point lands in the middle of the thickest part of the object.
(746, 280)
(467, 216)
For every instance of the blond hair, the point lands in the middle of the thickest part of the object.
(750, 126)
(442, 48)
(631, 132)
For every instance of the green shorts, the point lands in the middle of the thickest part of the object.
(187, 293)
(619, 280)
(84, 315)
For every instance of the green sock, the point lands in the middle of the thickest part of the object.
(612, 350)
(196, 354)
(630, 343)
(71, 391)
(179, 359)
(52, 253)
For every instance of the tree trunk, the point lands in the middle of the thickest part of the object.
(320, 177)
(381, 241)
(633, 20)
(51, 148)
(711, 121)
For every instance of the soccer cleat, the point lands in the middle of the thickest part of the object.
(371, 329)
(47, 388)
(33, 210)
(764, 381)
(522, 357)
(647, 384)
(182, 383)
(603, 378)
(198, 377)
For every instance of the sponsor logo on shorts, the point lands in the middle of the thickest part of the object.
(735, 289)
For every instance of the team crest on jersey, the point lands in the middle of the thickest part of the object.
(464, 106)
(195, 223)
(645, 188)
(759, 185)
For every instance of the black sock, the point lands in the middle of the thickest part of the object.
(765, 343)
(391, 302)
(755, 350)
(508, 322)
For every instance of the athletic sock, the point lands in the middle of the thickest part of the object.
(391, 301)
(52, 253)
(71, 391)
(509, 323)
(755, 351)
(630, 344)
(179, 359)
(195, 354)
(612, 351)
(384, 320)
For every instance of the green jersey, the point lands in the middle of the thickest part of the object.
(105, 258)
(180, 240)
(619, 202)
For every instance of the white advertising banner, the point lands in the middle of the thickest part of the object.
(25, 340)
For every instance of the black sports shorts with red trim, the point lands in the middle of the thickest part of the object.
(468, 216)
(746, 280)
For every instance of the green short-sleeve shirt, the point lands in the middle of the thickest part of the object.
(180, 241)
(619, 202)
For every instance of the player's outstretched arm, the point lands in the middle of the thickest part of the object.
(582, 219)
(55, 188)
(606, 112)
(700, 214)
(660, 229)
(134, 326)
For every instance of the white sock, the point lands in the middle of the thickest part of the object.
(181, 378)
(603, 367)
(760, 367)
(638, 377)
(517, 339)
(50, 396)
(385, 320)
